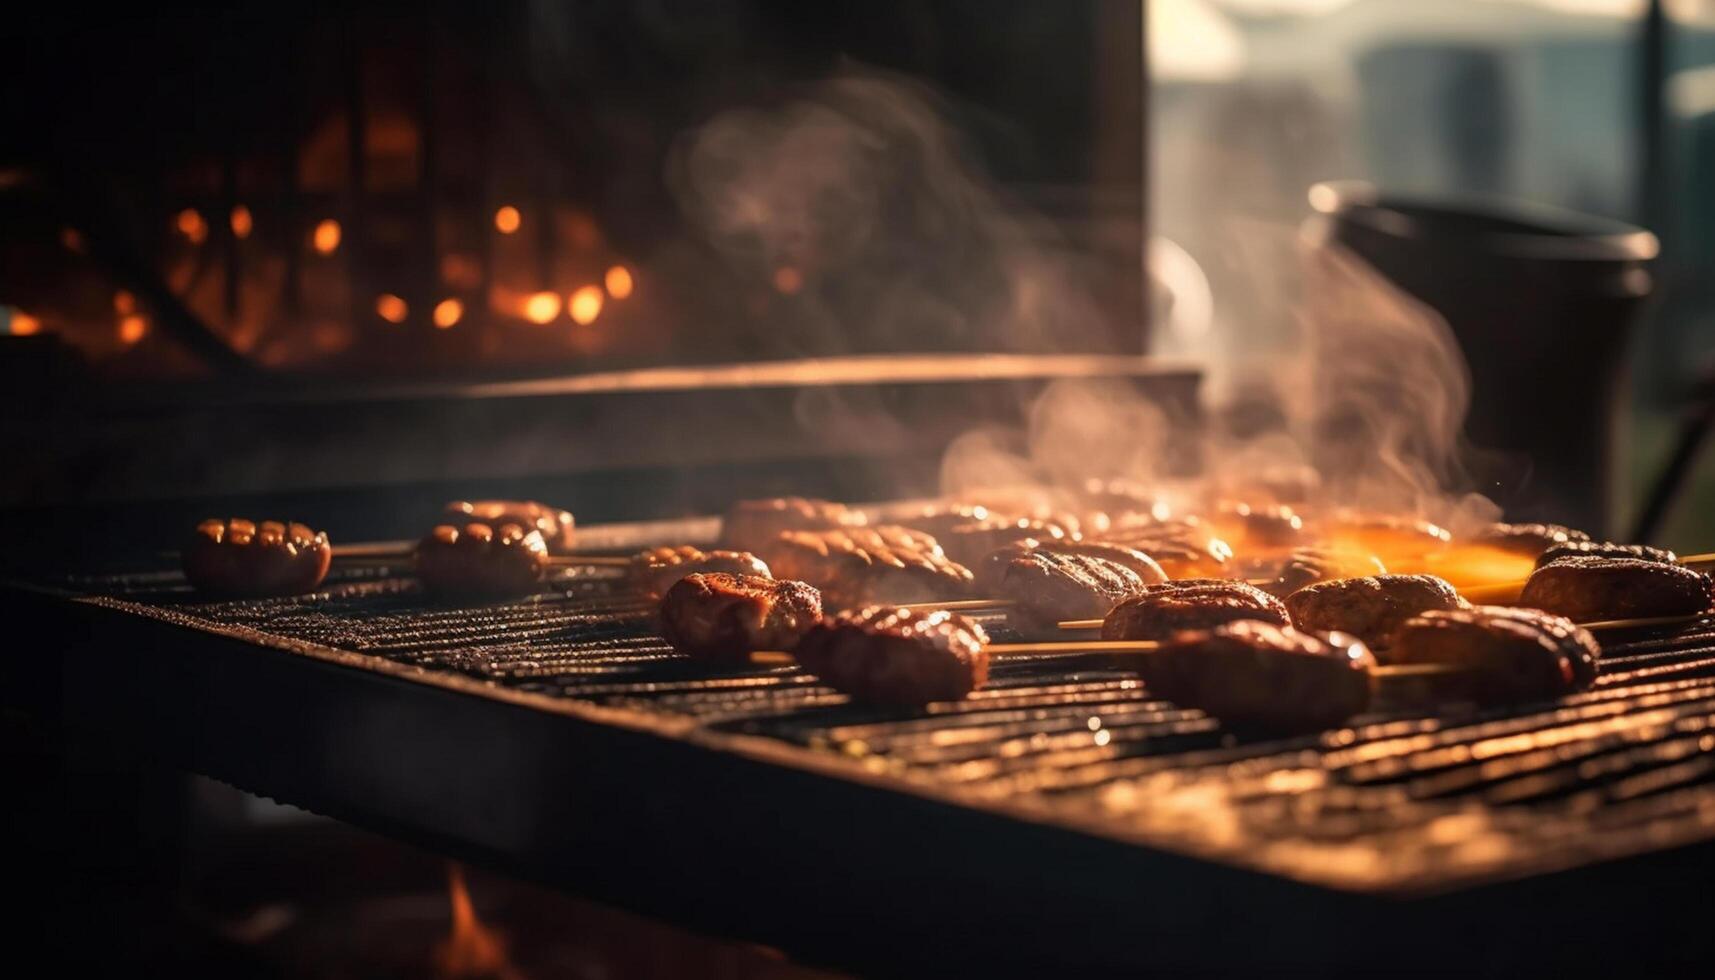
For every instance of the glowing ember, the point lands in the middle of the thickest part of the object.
(788, 280)
(132, 329)
(619, 283)
(242, 222)
(508, 220)
(326, 236)
(448, 312)
(191, 225)
(391, 308)
(473, 949)
(23, 324)
(585, 305)
(542, 307)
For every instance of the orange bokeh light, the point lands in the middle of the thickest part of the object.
(391, 308)
(508, 220)
(242, 222)
(326, 236)
(448, 312)
(542, 307)
(585, 305)
(23, 324)
(132, 329)
(788, 280)
(191, 225)
(71, 239)
(619, 282)
(124, 303)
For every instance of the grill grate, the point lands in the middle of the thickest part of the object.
(1396, 801)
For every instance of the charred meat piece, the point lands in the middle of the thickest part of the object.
(1507, 654)
(1606, 549)
(653, 572)
(750, 524)
(1050, 585)
(1307, 566)
(897, 656)
(479, 561)
(722, 618)
(969, 543)
(1528, 540)
(862, 566)
(556, 525)
(1190, 604)
(1184, 547)
(248, 559)
(1589, 588)
(1263, 676)
(1261, 526)
(1370, 608)
(991, 571)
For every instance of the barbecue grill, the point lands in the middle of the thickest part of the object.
(1059, 816)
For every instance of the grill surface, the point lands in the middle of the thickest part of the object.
(1397, 802)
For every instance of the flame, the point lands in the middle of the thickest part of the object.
(391, 308)
(585, 305)
(619, 282)
(326, 236)
(508, 220)
(473, 949)
(23, 324)
(542, 307)
(448, 312)
(132, 329)
(191, 225)
(242, 222)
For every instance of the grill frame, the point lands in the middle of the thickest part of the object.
(486, 773)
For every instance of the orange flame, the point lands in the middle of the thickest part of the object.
(473, 949)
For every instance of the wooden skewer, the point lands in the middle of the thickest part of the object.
(1707, 558)
(1636, 622)
(393, 559)
(777, 658)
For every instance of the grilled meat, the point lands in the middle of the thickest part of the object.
(938, 519)
(1263, 676)
(1048, 585)
(969, 543)
(897, 656)
(1307, 566)
(237, 557)
(1606, 549)
(481, 561)
(991, 571)
(861, 566)
(653, 572)
(722, 618)
(556, 525)
(1370, 608)
(1589, 587)
(1507, 654)
(750, 524)
(1262, 526)
(1190, 604)
(1183, 547)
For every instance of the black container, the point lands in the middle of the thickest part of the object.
(1542, 302)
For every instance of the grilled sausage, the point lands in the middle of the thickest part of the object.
(1263, 676)
(1528, 540)
(1050, 585)
(1507, 654)
(861, 566)
(1190, 604)
(481, 561)
(653, 572)
(556, 525)
(1606, 549)
(1307, 566)
(750, 524)
(722, 618)
(1370, 608)
(969, 543)
(1183, 547)
(242, 558)
(1589, 588)
(897, 656)
(991, 571)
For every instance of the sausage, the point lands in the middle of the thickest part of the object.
(751, 524)
(1508, 655)
(1260, 675)
(897, 656)
(653, 572)
(1370, 608)
(556, 525)
(1307, 566)
(1606, 549)
(861, 566)
(1190, 604)
(1048, 585)
(1529, 540)
(969, 543)
(992, 569)
(1589, 587)
(480, 561)
(1185, 548)
(242, 558)
(722, 618)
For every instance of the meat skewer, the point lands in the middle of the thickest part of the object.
(720, 618)
(1592, 587)
(556, 525)
(479, 561)
(897, 656)
(1047, 585)
(751, 525)
(1371, 607)
(860, 566)
(656, 570)
(241, 558)
(1189, 604)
